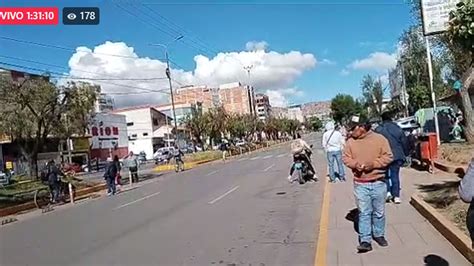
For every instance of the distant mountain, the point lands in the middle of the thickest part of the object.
(318, 109)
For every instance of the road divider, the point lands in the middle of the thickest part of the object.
(223, 195)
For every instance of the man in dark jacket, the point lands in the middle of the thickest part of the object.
(53, 173)
(110, 174)
(400, 149)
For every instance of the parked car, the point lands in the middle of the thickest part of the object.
(407, 123)
(240, 143)
(163, 155)
(142, 158)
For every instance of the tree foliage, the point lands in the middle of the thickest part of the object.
(35, 110)
(372, 91)
(343, 107)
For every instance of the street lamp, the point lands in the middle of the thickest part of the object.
(168, 75)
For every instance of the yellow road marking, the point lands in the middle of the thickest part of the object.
(321, 248)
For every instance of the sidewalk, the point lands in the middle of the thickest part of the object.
(411, 238)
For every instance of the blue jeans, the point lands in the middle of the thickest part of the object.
(335, 156)
(393, 174)
(111, 188)
(370, 198)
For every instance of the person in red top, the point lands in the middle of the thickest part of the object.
(368, 155)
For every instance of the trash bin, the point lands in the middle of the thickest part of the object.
(429, 149)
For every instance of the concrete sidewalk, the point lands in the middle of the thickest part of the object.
(411, 238)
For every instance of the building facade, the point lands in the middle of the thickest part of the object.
(279, 112)
(104, 104)
(295, 112)
(108, 136)
(182, 110)
(234, 97)
(263, 107)
(321, 110)
(148, 129)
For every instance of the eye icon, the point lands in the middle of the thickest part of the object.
(71, 16)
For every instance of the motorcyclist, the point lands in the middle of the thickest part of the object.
(178, 154)
(300, 147)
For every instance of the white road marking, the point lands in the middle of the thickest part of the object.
(281, 155)
(268, 156)
(213, 172)
(255, 158)
(242, 159)
(268, 168)
(138, 200)
(223, 195)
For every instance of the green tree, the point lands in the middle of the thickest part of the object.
(460, 38)
(215, 120)
(314, 123)
(35, 110)
(343, 107)
(372, 91)
(196, 123)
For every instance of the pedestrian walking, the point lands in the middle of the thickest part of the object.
(400, 149)
(110, 175)
(118, 177)
(466, 192)
(333, 143)
(368, 154)
(54, 182)
(224, 147)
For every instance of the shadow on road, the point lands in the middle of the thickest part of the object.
(353, 216)
(435, 260)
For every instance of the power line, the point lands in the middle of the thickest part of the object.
(43, 71)
(95, 73)
(63, 47)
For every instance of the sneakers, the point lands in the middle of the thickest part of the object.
(364, 247)
(397, 200)
(290, 179)
(381, 241)
(389, 197)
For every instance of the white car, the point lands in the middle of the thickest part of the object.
(240, 143)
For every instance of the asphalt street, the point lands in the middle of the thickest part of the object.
(242, 212)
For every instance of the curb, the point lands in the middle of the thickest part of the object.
(454, 235)
(449, 168)
(31, 205)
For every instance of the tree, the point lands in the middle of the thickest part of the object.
(343, 107)
(461, 43)
(215, 120)
(372, 91)
(314, 123)
(196, 123)
(35, 110)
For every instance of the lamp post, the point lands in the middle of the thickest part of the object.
(168, 75)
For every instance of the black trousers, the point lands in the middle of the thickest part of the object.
(470, 221)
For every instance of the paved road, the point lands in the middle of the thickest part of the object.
(239, 213)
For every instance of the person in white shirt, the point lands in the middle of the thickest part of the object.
(333, 143)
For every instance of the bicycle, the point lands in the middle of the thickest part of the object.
(43, 197)
(179, 165)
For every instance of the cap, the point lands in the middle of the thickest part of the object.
(355, 121)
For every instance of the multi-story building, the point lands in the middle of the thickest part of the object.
(148, 129)
(182, 110)
(279, 112)
(295, 112)
(234, 97)
(108, 136)
(263, 107)
(104, 104)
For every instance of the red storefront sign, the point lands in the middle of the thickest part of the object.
(105, 131)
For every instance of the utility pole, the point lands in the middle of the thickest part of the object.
(168, 75)
(250, 90)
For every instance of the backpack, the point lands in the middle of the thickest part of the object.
(109, 172)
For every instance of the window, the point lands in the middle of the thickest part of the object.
(134, 135)
(155, 121)
(129, 124)
(145, 134)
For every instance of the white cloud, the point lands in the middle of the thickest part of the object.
(271, 71)
(256, 46)
(384, 79)
(345, 72)
(328, 62)
(378, 61)
(280, 97)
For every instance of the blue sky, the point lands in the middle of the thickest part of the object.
(340, 35)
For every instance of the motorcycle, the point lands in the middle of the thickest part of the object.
(301, 168)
